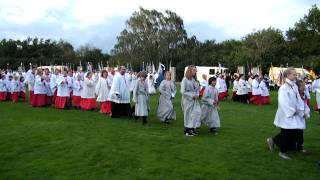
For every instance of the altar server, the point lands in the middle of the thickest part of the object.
(102, 93)
(88, 98)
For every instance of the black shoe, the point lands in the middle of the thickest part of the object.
(194, 132)
(167, 121)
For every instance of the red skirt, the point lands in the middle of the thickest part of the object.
(30, 97)
(265, 99)
(22, 95)
(61, 102)
(222, 95)
(88, 103)
(256, 99)
(201, 91)
(3, 96)
(15, 97)
(76, 101)
(9, 96)
(39, 100)
(54, 97)
(105, 107)
(49, 100)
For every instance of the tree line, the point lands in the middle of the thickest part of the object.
(153, 36)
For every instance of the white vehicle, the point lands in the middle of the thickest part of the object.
(209, 71)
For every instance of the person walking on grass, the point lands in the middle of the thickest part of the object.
(316, 89)
(190, 101)
(209, 107)
(141, 97)
(289, 117)
(167, 89)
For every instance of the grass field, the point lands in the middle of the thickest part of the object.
(45, 143)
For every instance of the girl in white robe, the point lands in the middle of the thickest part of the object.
(209, 107)
(167, 90)
(88, 98)
(76, 92)
(102, 93)
(141, 98)
(190, 102)
(62, 101)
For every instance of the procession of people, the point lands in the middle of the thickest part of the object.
(118, 92)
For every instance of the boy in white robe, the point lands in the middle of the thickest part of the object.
(316, 89)
(62, 100)
(167, 90)
(141, 98)
(209, 107)
(3, 88)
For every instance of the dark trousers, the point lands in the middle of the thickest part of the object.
(241, 98)
(119, 110)
(289, 139)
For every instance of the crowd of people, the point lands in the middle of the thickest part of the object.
(114, 91)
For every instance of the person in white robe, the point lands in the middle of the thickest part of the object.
(222, 87)
(308, 91)
(265, 99)
(15, 89)
(119, 95)
(77, 91)
(190, 101)
(167, 89)
(3, 88)
(88, 98)
(8, 86)
(242, 91)
(256, 91)
(50, 93)
(40, 91)
(53, 84)
(203, 84)
(102, 93)
(62, 100)
(141, 98)
(210, 106)
(151, 86)
(288, 116)
(30, 77)
(235, 87)
(316, 89)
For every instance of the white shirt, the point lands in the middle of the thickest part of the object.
(242, 87)
(15, 87)
(256, 90)
(77, 87)
(289, 106)
(102, 90)
(62, 87)
(88, 88)
(264, 89)
(39, 86)
(120, 92)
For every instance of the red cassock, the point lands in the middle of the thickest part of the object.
(256, 99)
(76, 101)
(39, 100)
(30, 97)
(222, 95)
(201, 91)
(22, 95)
(88, 103)
(54, 96)
(61, 102)
(9, 96)
(265, 100)
(3, 96)
(105, 107)
(15, 97)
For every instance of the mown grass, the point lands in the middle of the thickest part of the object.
(45, 143)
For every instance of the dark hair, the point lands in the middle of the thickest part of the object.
(104, 71)
(212, 79)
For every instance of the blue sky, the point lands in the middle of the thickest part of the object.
(99, 22)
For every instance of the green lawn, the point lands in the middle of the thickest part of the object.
(45, 143)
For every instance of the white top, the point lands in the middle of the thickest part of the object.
(264, 89)
(235, 85)
(30, 80)
(256, 90)
(53, 82)
(8, 85)
(290, 105)
(120, 92)
(204, 83)
(77, 87)
(242, 87)
(102, 90)
(88, 88)
(3, 87)
(221, 85)
(15, 86)
(316, 86)
(62, 87)
(39, 86)
(22, 87)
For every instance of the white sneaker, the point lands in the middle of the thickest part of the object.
(270, 144)
(284, 156)
(188, 134)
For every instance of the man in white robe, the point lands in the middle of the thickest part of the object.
(120, 95)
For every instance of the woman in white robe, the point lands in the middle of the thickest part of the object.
(190, 102)
(141, 97)
(209, 107)
(88, 98)
(167, 90)
(102, 93)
